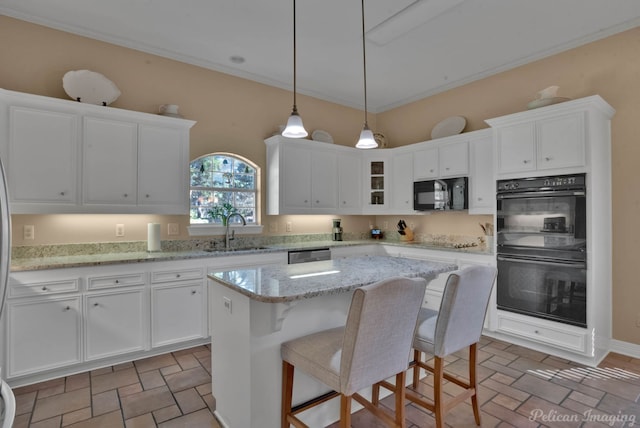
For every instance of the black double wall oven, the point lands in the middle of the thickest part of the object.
(542, 247)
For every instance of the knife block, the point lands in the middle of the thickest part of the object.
(408, 235)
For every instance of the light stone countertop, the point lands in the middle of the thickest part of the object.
(58, 261)
(285, 283)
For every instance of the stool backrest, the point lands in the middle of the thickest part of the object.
(379, 331)
(463, 308)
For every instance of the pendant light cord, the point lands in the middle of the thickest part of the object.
(295, 108)
(364, 62)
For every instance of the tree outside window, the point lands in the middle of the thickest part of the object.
(222, 183)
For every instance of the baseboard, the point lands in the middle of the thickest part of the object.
(625, 348)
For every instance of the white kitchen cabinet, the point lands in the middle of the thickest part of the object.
(425, 163)
(178, 304)
(454, 159)
(302, 177)
(163, 173)
(70, 157)
(402, 183)
(42, 158)
(43, 334)
(110, 162)
(482, 184)
(349, 183)
(541, 144)
(377, 174)
(116, 322)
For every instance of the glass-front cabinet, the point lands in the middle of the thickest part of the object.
(376, 181)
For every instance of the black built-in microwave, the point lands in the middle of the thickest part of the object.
(443, 194)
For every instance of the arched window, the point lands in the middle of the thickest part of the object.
(222, 183)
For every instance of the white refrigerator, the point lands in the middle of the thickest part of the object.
(7, 402)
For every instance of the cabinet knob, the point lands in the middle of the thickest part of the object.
(193, 292)
(147, 195)
(479, 199)
(344, 202)
(317, 201)
(67, 308)
(305, 201)
(62, 193)
(117, 281)
(447, 168)
(177, 275)
(536, 332)
(525, 161)
(44, 289)
(431, 170)
(547, 158)
(95, 305)
(126, 195)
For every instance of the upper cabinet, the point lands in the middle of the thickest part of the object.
(482, 184)
(550, 140)
(69, 157)
(444, 157)
(302, 177)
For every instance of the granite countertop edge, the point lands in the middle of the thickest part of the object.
(83, 260)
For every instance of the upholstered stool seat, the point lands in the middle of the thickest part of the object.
(374, 345)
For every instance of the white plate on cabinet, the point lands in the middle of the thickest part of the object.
(322, 136)
(450, 126)
(90, 87)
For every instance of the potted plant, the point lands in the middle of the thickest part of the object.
(222, 212)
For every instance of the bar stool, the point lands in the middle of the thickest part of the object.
(374, 344)
(457, 325)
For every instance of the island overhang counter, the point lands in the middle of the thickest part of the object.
(253, 310)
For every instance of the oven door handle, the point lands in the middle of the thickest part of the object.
(566, 263)
(540, 194)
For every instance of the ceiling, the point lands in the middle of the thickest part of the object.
(415, 48)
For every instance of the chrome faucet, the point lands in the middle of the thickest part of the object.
(228, 238)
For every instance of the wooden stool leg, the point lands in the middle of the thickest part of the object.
(417, 355)
(437, 391)
(287, 392)
(473, 381)
(375, 394)
(400, 381)
(345, 411)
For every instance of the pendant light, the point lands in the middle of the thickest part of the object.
(366, 140)
(295, 128)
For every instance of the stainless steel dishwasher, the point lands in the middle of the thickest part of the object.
(310, 255)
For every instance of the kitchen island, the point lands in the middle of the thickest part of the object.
(255, 309)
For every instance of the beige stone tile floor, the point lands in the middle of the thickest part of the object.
(174, 390)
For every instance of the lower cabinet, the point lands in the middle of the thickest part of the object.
(116, 323)
(178, 313)
(43, 334)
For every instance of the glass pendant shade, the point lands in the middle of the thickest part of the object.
(366, 140)
(295, 128)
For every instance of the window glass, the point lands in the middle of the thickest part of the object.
(221, 184)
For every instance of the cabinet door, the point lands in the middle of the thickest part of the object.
(403, 183)
(178, 313)
(43, 334)
(43, 147)
(163, 176)
(516, 148)
(425, 164)
(296, 180)
(116, 323)
(454, 159)
(376, 183)
(324, 181)
(561, 141)
(349, 184)
(110, 161)
(482, 184)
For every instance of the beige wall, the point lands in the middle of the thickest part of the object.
(236, 115)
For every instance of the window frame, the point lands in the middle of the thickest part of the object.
(204, 229)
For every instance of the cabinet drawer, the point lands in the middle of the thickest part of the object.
(42, 288)
(560, 336)
(110, 281)
(177, 275)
